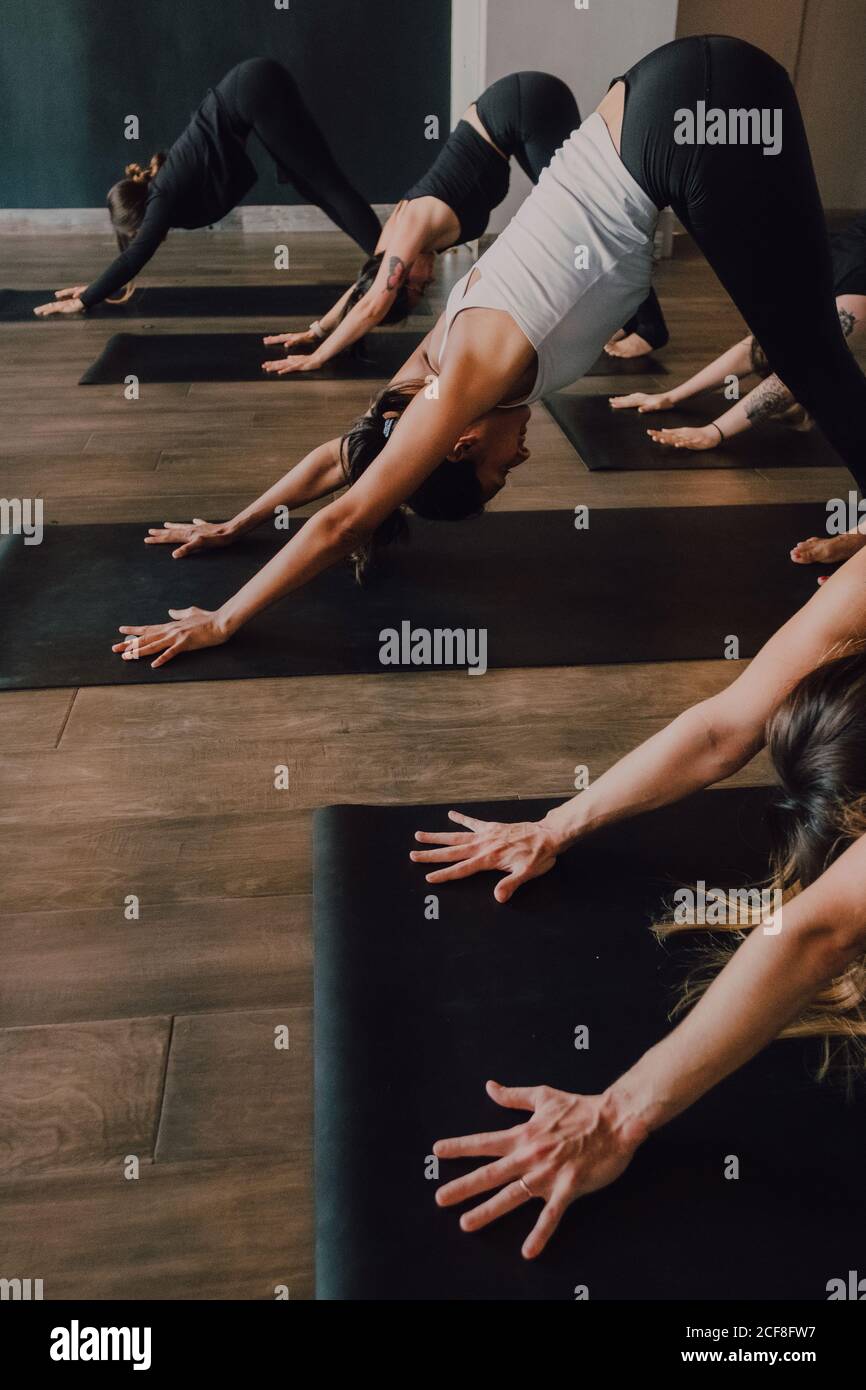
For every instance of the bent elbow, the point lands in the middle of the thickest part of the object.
(845, 938)
(834, 942)
(346, 528)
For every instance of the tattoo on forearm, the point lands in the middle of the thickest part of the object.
(768, 399)
(397, 272)
(847, 320)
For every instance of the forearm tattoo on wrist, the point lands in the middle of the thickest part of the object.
(397, 272)
(768, 399)
(847, 320)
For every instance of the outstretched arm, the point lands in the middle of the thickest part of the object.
(317, 475)
(326, 324)
(575, 1144)
(485, 359)
(123, 268)
(706, 744)
(408, 241)
(735, 362)
(769, 398)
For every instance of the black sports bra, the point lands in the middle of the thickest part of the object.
(470, 176)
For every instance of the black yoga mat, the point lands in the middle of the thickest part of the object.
(195, 301)
(154, 357)
(648, 585)
(413, 1016)
(617, 439)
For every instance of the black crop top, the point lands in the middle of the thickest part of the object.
(470, 176)
(205, 175)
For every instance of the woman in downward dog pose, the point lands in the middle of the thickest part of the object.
(804, 697)
(771, 399)
(502, 343)
(526, 117)
(207, 172)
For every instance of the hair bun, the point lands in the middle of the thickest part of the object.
(139, 175)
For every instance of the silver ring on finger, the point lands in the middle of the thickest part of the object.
(525, 1185)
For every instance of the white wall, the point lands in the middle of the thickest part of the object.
(586, 48)
(831, 85)
(822, 43)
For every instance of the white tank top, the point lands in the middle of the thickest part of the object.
(574, 262)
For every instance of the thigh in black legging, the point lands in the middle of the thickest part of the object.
(756, 216)
(269, 101)
(267, 98)
(528, 115)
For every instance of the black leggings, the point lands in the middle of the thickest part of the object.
(528, 115)
(757, 218)
(261, 96)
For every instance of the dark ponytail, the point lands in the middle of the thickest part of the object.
(127, 198)
(398, 311)
(451, 492)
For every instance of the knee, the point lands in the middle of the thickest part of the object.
(261, 71)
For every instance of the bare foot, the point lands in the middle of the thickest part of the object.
(828, 550)
(627, 345)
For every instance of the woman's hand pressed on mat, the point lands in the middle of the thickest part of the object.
(200, 535)
(691, 437)
(642, 401)
(66, 301)
(570, 1146)
(290, 340)
(189, 630)
(297, 362)
(524, 850)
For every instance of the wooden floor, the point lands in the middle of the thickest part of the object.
(155, 1038)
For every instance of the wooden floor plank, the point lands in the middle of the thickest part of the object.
(191, 860)
(77, 964)
(110, 785)
(31, 719)
(80, 1096)
(198, 1231)
(231, 1091)
(319, 707)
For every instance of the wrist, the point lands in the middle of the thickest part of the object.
(227, 620)
(636, 1104)
(565, 824)
(240, 524)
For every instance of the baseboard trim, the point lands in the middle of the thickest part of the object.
(277, 217)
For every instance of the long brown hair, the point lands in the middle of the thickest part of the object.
(450, 493)
(127, 198)
(816, 739)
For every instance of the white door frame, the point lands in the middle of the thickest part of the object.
(468, 54)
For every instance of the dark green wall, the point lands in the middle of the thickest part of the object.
(70, 70)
